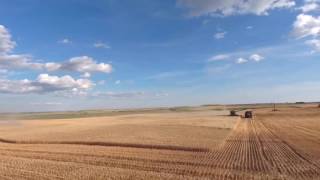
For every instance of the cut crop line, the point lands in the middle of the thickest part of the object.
(111, 144)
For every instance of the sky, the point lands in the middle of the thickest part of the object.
(60, 55)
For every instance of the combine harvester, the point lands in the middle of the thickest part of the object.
(247, 114)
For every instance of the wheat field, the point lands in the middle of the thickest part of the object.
(189, 143)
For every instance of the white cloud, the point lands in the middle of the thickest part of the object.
(220, 35)
(101, 45)
(85, 64)
(233, 7)
(309, 6)
(253, 57)
(315, 43)
(44, 84)
(16, 61)
(17, 86)
(6, 44)
(249, 27)
(51, 66)
(82, 64)
(306, 25)
(86, 75)
(256, 57)
(241, 61)
(65, 41)
(219, 57)
(63, 82)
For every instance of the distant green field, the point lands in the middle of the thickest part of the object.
(71, 114)
(88, 113)
(101, 113)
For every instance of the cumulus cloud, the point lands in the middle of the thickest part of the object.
(81, 64)
(18, 61)
(233, 7)
(306, 25)
(51, 66)
(6, 44)
(19, 86)
(44, 84)
(63, 82)
(309, 6)
(84, 64)
(219, 57)
(256, 57)
(220, 35)
(101, 45)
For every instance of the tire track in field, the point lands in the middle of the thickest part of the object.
(294, 150)
(239, 157)
(255, 148)
(284, 157)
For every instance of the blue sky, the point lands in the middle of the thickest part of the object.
(81, 54)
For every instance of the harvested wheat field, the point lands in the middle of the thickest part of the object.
(191, 143)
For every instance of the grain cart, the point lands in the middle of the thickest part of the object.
(248, 114)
